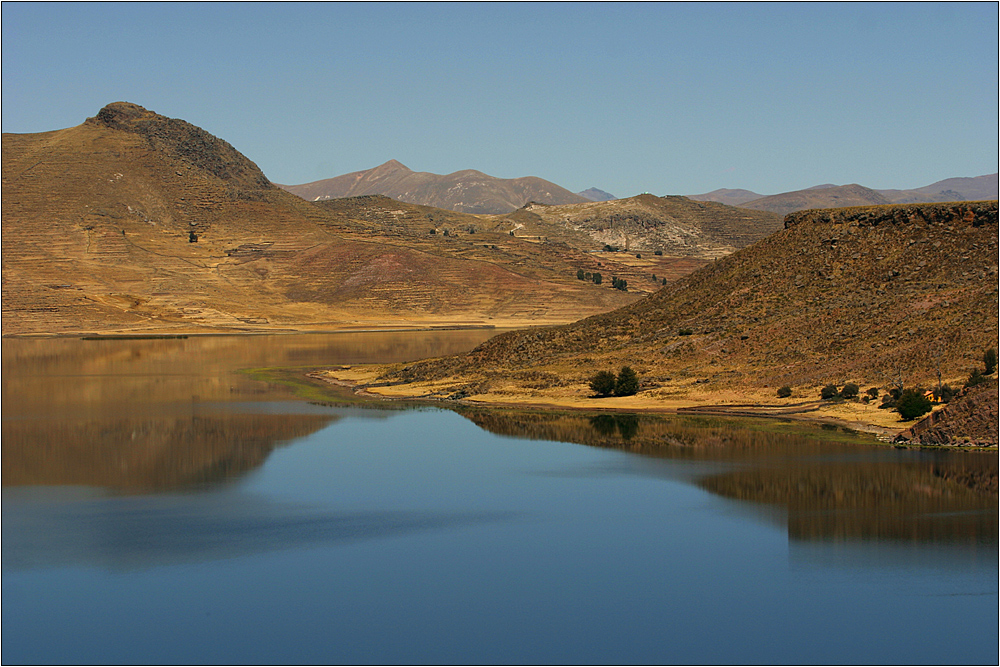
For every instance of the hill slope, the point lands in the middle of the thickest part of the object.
(466, 191)
(675, 226)
(834, 196)
(137, 222)
(872, 295)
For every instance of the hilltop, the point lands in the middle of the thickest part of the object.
(833, 196)
(871, 295)
(466, 191)
(135, 222)
(979, 188)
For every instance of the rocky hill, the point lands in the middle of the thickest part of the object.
(872, 295)
(466, 191)
(134, 222)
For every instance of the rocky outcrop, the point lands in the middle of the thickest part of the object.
(184, 141)
(971, 419)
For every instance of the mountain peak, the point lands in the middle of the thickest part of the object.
(182, 141)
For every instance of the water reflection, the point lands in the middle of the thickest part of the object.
(830, 485)
(45, 528)
(149, 415)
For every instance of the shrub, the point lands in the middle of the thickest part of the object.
(912, 403)
(872, 392)
(580, 275)
(850, 390)
(975, 377)
(627, 383)
(784, 392)
(829, 392)
(989, 361)
(658, 253)
(664, 281)
(638, 255)
(684, 332)
(603, 383)
(597, 278)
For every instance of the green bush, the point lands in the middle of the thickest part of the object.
(684, 332)
(912, 403)
(872, 392)
(580, 275)
(784, 392)
(627, 383)
(597, 278)
(829, 392)
(850, 390)
(603, 383)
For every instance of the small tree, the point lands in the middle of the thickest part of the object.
(597, 278)
(784, 392)
(603, 383)
(580, 275)
(829, 392)
(627, 383)
(850, 390)
(912, 403)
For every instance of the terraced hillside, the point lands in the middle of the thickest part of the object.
(872, 295)
(137, 222)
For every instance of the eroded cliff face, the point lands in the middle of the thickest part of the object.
(970, 419)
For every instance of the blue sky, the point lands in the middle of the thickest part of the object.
(645, 97)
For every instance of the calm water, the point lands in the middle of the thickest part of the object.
(161, 507)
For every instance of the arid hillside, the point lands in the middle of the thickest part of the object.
(134, 222)
(871, 295)
(466, 191)
(673, 226)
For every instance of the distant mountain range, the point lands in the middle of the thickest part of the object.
(467, 191)
(471, 191)
(979, 188)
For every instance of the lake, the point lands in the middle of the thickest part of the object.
(162, 505)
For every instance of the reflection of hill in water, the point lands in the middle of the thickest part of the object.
(832, 484)
(145, 454)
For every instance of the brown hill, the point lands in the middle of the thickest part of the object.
(467, 191)
(137, 222)
(675, 226)
(834, 196)
(873, 295)
(730, 197)
(951, 189)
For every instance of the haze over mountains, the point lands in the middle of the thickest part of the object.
(471, 191)
(979, 188)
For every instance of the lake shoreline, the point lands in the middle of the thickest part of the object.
(708, 403)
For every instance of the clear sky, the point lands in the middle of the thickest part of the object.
(665, 98)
